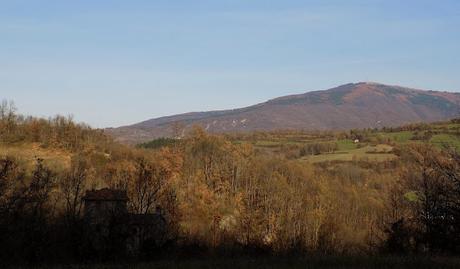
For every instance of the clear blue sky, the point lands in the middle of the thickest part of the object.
(111, 63)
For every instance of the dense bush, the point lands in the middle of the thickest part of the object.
(159, 143)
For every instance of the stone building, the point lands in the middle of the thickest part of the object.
(102, 205)
(106, 213)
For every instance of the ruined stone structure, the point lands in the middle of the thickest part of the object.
(101, 205)
(106, 212)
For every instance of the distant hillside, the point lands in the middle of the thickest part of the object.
(354, 105)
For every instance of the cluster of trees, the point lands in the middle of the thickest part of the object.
(24, 203)
(230, 196)
(437, 127)
(423, 136)
(298, 150)
(217, 194)
(55, 132)
(318, 148)
(426, 202)
(282, 134)
(41, 211)
(159, 143)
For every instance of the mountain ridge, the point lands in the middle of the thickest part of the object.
(352, 105)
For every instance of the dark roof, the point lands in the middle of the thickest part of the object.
(106, 195)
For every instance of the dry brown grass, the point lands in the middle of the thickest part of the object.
(29, 152)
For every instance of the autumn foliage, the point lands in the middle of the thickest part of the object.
(220, 195)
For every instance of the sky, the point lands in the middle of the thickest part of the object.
(116, 62)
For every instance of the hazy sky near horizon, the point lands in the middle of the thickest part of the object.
(117, 62)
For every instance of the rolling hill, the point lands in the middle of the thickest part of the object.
(354, 105)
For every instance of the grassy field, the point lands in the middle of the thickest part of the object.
(346, 144)
(29, 152)
(442, 140)
(376, 146)
(398, 137)
(376, 153)
(282, 263)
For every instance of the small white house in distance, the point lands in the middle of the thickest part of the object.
(356, 141)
